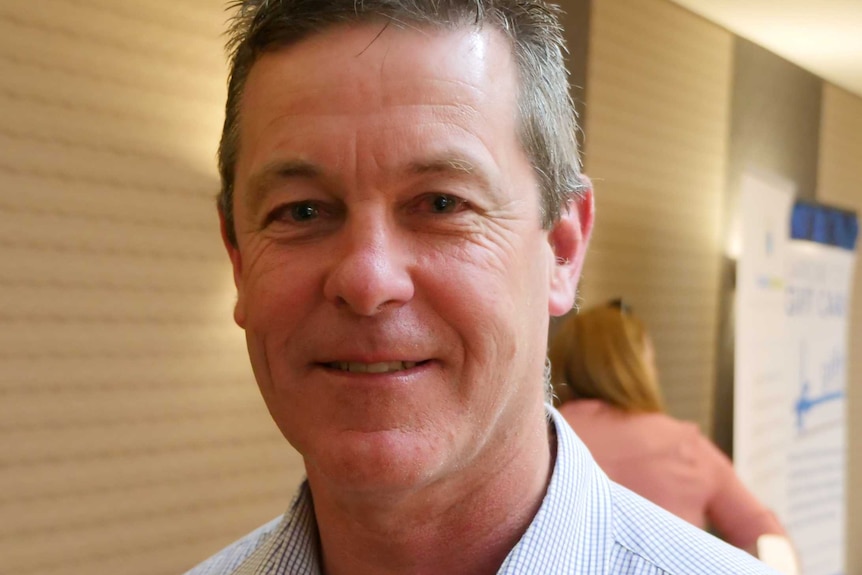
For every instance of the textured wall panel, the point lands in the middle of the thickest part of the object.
(658, 98)
(774, 129)
(840, 183)
(132, 435)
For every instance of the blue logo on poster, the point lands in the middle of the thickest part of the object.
(832, 370)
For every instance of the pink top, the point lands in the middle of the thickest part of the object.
(673, 465)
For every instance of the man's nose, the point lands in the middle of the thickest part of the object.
(371, 269)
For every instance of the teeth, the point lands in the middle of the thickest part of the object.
(382, 367)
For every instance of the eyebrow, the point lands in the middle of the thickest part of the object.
(275, 172)
(456, 165)
(452, 164)
(445, 164)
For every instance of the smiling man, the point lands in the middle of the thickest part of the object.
(403, 209)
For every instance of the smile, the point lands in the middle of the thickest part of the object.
(382, 367)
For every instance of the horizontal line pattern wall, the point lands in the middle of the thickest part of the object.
(658, 100)
(132, 436)
(840, 183)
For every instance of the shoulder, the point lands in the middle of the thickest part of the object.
(648, 539)
(685, 441)
(226, 561)
(695, 445)
(684, 430)
(592, 419)
(290, 541)
(589, 524)
(585, 413)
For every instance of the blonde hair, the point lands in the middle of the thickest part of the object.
(601, 353)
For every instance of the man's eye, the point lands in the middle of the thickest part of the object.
(303, 211)
(295, 213)
(443, 204)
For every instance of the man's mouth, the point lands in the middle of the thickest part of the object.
(381, 367)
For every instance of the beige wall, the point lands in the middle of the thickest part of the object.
(132, 437)
(658, 96)
(840, 183)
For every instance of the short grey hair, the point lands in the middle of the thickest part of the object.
(548, 122)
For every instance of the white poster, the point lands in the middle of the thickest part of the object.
(818, 303)
(792, 306)
(762, 422)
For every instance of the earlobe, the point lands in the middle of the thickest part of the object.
(236, 264)
(569, 239)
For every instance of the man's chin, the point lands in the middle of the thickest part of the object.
(380, 462)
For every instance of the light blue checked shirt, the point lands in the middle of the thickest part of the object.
(586, 525)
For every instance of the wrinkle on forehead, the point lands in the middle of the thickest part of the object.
(365, 55)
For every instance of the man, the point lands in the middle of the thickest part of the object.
(403, 210)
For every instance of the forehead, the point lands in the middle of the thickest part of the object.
(372, 100)
(377, 66)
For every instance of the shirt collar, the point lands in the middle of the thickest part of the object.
(571, 533)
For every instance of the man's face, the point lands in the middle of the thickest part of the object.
(393, 277)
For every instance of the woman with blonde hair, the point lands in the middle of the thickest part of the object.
(605, 359)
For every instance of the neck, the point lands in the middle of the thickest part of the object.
(457, 525)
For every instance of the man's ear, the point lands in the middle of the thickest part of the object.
(569, 239)
(236, 262)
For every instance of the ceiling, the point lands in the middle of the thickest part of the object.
(824, 37)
